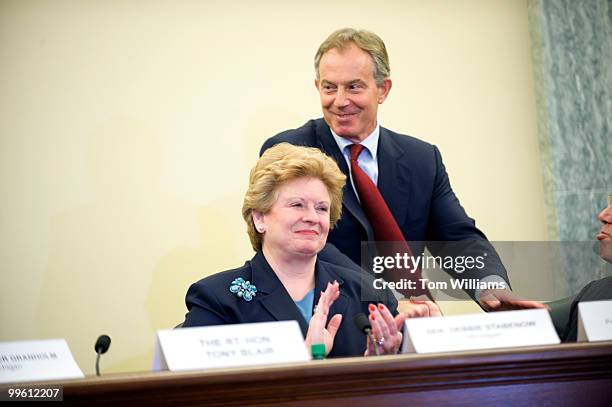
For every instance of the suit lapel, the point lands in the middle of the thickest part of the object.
(272, 294)
(327, 144)
(393, 176)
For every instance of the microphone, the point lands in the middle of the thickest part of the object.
(101, 346)
(363, 324)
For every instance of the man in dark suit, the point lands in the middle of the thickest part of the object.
(412, 194)
(599, 289)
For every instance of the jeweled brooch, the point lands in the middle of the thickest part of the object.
(243, 289)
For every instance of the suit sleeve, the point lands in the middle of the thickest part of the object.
(331, 254)
(454, 233)
(266, 145)
(204, 306)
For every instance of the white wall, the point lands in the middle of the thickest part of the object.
(127, 130)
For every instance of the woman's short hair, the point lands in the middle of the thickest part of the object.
(282, 163)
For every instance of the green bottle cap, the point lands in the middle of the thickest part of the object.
(317, 350)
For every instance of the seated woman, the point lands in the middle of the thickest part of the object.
(293, 199)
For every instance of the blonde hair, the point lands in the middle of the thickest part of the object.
(282, 163)
(363, 39)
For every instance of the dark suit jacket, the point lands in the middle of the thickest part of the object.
(210, 302)
(413, 181)
(597, 290)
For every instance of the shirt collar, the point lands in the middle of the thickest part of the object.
(370, 142)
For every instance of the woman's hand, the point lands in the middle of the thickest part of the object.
(317, 332)
(386, 331)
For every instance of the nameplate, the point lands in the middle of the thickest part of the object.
(29, 361)
(222, 346)
(479, 331)
(594, 321)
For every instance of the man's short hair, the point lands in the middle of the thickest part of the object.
(363, 39)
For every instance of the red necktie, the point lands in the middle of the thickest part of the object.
(385, 227)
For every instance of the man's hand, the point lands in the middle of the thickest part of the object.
(506, 300)
(417, 307)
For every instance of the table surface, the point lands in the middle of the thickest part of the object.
(568, 374)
